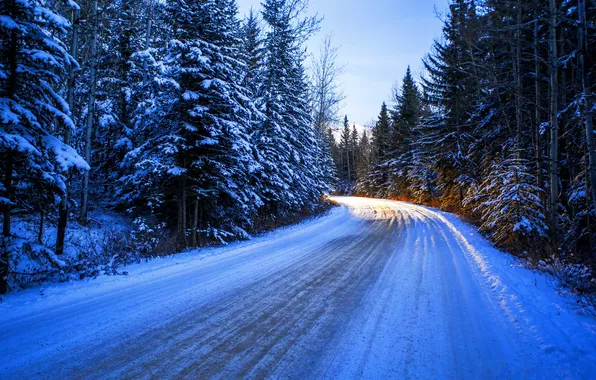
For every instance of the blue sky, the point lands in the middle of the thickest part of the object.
(378, 39)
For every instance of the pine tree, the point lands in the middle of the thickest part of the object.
(364, 161)
(202, 146)
(374, 183)
(33, 62)
(406, 116)
(510, 207)
(450, 89)
(286, 140)
(118, 80)
(381, 134)
(405, 119)
(254, 53)
(354, 154)
(345, 148)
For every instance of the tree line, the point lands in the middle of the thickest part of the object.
(499, 127)
(179, 112)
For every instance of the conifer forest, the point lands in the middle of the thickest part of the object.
(499, 128)
(190, 189)
(177, 113)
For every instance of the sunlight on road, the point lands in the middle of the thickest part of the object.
(375, 289)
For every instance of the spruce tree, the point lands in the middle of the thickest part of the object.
(374, 183)
(286, 140)
(509, 204)
(201, 144)
(116, 85)
(345, 144)
(405, 119)
(450, 88)
(254, 55)
(33, 63)
(354, 156)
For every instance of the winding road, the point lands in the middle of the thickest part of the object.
(375, 289)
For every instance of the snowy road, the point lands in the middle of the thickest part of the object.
(376, 289)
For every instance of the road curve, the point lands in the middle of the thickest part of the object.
(376, 289)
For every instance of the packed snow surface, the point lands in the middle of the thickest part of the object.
(375, 289)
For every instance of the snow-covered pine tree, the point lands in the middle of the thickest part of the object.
(509, 204)
(346, 156)
(33, 63)
(374, 183)
(201, 145)
(286, 140)
(147, 83)
(149, 167)
(381, 134)
(143, 169)
(324, 160)
(450, 88)
(254, 56)
(364, 152)
(309, 177)
(333, 155)
(405, 118)
(120, 40)
(74, 10)
(252, 52)
(421, 175)
(354, 154)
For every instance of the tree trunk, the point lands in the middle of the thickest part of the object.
(554, 129)
(348, 164)
(518, 82)
(41, 222)
(9, 167)
(90, 111)
(195, 223)
(63, 212)
(147, 42)
(8, 160)
(537, 112)
(182, 229)
(588, 105)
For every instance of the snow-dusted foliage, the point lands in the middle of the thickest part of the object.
(192, 120)
(292, 177)
(119, 88)
(486, 133)
(375, 181)
(32, 112)
(208, 146)
(33, 62)
(576, 277)
(509, 204)
(201, 146)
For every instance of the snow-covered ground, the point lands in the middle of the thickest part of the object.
(375, 289)
(88, 250)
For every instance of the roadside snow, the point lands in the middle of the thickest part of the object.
(374, 289)
(56, 294)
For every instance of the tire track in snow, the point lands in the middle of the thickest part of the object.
(382, 290)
